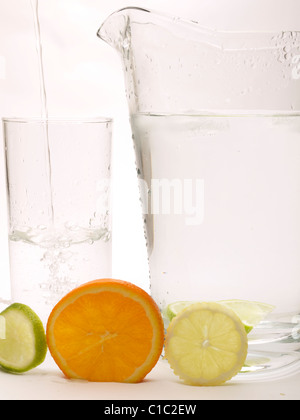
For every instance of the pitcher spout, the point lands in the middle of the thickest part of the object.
(174, 66)
(116, 31)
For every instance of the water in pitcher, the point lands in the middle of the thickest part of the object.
(242, 242)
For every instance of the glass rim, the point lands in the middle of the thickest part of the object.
(58, 120)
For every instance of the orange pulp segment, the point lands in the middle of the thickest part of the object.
(106, 331)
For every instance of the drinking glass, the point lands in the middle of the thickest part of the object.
(58, 184)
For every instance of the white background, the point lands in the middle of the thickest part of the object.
(84, 78)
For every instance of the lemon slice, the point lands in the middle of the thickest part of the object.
(250, 313)
(23, 343)
(206, 344)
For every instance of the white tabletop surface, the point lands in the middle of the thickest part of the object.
(48, 383)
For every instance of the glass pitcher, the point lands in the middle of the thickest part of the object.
(216, 127)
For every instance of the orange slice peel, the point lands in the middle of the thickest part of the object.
(106, 331)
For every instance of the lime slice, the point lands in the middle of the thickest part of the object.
(250, 313)
(206, 344)
(24, 346)
(2, 328)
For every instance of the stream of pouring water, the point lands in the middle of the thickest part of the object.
(44, 107)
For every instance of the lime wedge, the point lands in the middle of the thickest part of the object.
(23, 345)
(175, 308)
(250, 313)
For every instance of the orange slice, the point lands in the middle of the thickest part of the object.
(106, 331)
